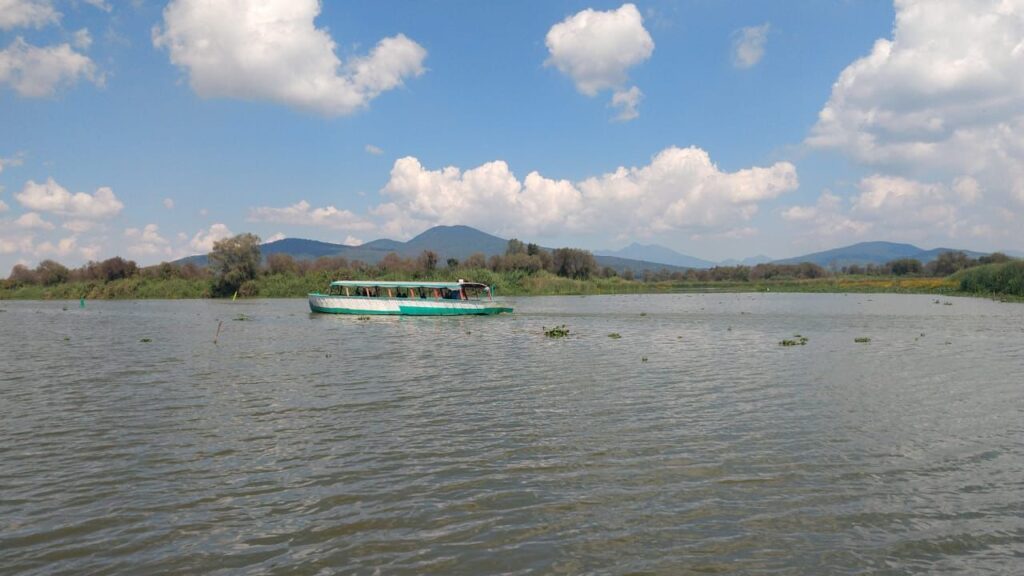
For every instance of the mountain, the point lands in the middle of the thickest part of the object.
(871, 253)
(656, 253)
(750, 261)
(447, 241)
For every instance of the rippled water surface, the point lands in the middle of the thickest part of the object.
(130, 443)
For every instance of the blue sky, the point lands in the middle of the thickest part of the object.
(166, 126)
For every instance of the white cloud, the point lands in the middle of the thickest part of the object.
(596, 49)
(352, 241)
(27, 13)
(63, 247)
(35, 72)
(627, 101)
(681, 189)
(52, 197)
(303, 214)
(100, 5)
(79, 225)
(275, 238)
(748, 45)
(898, 208)
(940, 99)
(32, 220)
(14, 245)
(204, 239)
(82, 39)
(272, 50)
(376, 151)
(168, 203)
(147, 241)
(4, 207)
(15, 161)
(825, 220)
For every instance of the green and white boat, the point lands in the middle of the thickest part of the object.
(366, 297)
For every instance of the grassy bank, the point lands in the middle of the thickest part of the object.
(1004, 280)
(511, 283)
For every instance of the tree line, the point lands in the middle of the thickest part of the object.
(236, 263)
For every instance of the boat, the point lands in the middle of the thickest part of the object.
(369, 297)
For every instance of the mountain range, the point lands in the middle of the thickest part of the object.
(462, 241)
(457, 242)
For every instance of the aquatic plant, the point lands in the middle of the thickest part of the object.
(615, 335)
(556, 332)
(145, 339)
(241, 318)
(862, 340)
(797, 340)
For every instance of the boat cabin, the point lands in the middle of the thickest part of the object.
(460, 290)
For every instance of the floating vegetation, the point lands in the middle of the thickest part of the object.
(862, 340)
(947, 303)
(643, 313)
(797, 340)
(67, 338)
(643, 359)
(363, 318)
(241, 318)
(145, 339)
(556, 332)
(615, 335)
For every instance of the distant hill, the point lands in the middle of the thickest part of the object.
(872, 253)
(750, 261)
(656, 253)
(447, 241)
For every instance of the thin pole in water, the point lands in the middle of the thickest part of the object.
(217, 335)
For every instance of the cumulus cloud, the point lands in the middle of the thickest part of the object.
(52, 197)
(32, 220)
(303, 214)
(899, 208)
(627, 101)
(826, 219)
(941, 97)
(376, 151)
(168, 203)
(15, 161)
(147, 241)
(272, 50)
(748, 45)
(204, 239)
(275, 238)
(4, 207)
(34, 72)
(596, 49)
(27, 13)
(681, 189)
(352, 241)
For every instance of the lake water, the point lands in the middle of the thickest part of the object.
(303, 444)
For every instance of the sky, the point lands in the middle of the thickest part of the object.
(718, 128)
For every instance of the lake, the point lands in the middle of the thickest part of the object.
(131, 443)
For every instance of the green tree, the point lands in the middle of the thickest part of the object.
(573, 263)
(515, 247)
(950, 262)
(233, 261)
(904, 266)
(50, 272)
(427, 261)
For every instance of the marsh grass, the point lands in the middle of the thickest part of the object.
(556, 332)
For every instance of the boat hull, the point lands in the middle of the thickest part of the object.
(363, 306)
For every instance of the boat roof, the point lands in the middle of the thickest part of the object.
(388, 284)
